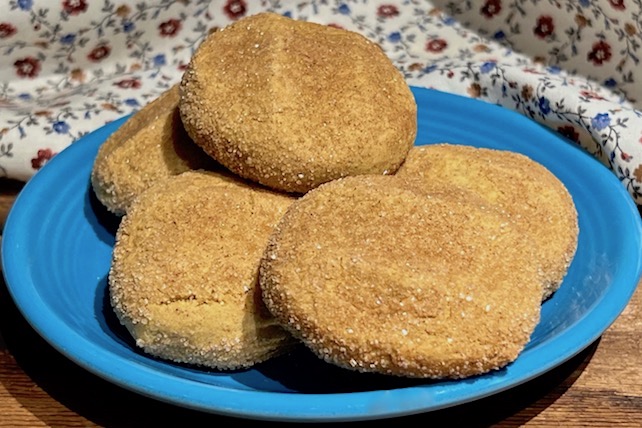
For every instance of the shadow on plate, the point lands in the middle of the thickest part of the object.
(104, 223)
(298, 371)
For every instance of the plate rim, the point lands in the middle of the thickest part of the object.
(327, 407)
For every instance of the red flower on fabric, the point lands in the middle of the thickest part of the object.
(387, 11)
(600, 53)
(618, 4)
(74, 7)
(491, 8)
(27, 67)
(128, 84)
(169, 28)
(333, 25)
(99, 53)
(569, 132)
(7, 30)
(234, 9)
(41, 158)
(436, 45)
(544, 26)
(591, 94)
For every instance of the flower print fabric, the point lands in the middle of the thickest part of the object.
(69, 67)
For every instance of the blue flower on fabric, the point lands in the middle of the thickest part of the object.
(394, 37)
(25, 4)
(499, 35)
(610, 83)
(544, 105)
(24, 96)
(60, 127)
(448, 20)
(553, 69)
(159, 60)
(585, 3)
(600, 121)
(68, 39)
(344, 9)
(132, 102)
(128, 26)
(487, 67)
(430, 68)
(287, 14)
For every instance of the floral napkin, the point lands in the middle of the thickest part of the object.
(70, 66)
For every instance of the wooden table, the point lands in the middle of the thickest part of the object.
(600, 387)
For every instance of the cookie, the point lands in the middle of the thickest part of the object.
(523, 188)
(374, 276)
(152, 144)
(293, 104)
(183, 278)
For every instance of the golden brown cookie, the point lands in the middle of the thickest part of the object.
(525, 189)
(152, 144)
(184, 271)
(376, 277)
(293, 104)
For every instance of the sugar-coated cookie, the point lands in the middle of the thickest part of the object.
(523, 188)
(375, 276)
(150, 145)
(293, 104)
(183, 278)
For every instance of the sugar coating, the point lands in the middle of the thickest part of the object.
(375, 276)
(527, 191)
(183, 278)
(151, 145)
(293, 104)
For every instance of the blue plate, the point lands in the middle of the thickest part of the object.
(57, 246)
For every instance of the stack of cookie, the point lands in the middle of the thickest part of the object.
(274, 197)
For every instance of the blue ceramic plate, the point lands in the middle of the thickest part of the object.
(57, 247)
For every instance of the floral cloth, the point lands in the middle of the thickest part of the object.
(69, 66)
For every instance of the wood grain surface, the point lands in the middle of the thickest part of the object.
(600, 387)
